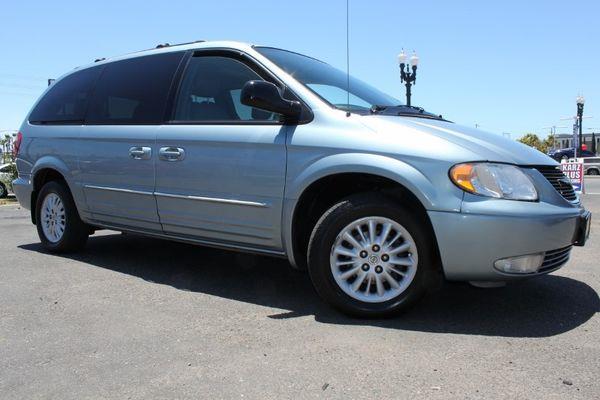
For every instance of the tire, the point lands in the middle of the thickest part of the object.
(3, 191)
(593, 171)
(355, 211)
(60, 229)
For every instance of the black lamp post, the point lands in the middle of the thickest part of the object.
(580, 102)
(409, 78)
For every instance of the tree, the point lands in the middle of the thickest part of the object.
(531, 139)
(549, 142)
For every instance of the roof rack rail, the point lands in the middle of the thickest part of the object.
(99, 59)
(192, 42)
(162, 45)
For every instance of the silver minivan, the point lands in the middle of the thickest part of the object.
(260, 149)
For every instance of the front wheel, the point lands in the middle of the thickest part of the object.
(370, 256)
(58, 224)
(3, 191)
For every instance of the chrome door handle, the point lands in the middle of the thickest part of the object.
(140, 153)
(171, 153)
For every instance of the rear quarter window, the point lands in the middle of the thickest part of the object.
(66, 101)
(134, 91)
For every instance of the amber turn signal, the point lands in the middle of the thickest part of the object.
(461, 175)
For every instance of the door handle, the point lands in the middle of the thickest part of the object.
(171, 153)
(140, 152)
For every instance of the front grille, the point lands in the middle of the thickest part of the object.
(555, 258)
(559, 180)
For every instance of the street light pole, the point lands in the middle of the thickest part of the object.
(580, 103)
(406, 76)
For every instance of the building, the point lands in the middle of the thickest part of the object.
(565, 140)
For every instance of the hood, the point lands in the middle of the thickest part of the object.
(462, 140)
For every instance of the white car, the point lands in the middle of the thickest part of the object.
(5, 176)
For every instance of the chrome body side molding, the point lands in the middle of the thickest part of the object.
(179, 196)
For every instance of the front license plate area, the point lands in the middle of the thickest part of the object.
(582, 231)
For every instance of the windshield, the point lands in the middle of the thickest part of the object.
(328, 82)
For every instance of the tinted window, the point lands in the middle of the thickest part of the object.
(210, 91)
(133, 91)
(67, 100)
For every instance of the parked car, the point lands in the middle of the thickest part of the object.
(591, 165)
(258, 149)
(566, 153)
(5, 177)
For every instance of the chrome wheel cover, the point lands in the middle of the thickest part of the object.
(374, 259)
(53, 218)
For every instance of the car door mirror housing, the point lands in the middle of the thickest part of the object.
(267, 96)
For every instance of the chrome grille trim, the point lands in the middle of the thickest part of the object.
(559, 181)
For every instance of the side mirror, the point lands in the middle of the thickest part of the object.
(266, 96)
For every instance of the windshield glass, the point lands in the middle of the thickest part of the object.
(328, 82)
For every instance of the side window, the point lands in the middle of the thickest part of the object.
(210, 91)
(67, 100)
(134, 91)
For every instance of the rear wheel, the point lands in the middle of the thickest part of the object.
(3, 191)
(58, 224)
(370, 257)
(593, 171)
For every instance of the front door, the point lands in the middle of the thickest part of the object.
(220, 172)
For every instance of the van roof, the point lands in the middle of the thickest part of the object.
(167, 48)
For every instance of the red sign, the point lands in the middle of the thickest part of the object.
(574, 171)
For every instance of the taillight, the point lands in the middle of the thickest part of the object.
(17, 144)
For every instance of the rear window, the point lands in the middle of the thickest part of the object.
(67, 100)
(134, 91)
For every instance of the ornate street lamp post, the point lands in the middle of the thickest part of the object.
(580, 102)
(406, 76)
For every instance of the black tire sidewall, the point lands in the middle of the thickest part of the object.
(336, 219)
(74, 235)
(3, 190)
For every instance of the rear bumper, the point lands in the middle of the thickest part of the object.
(469, 244)
(23, 187)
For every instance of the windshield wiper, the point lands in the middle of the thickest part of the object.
(375, 108)
(403, 110)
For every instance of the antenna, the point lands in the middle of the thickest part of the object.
(348, 57)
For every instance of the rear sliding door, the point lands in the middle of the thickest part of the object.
(118, 143)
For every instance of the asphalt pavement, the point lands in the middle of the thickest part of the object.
(139, 318)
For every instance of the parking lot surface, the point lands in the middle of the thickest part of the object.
(139, 318)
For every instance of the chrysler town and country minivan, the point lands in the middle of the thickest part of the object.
(259, 149)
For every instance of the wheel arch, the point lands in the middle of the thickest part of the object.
(597, 169)
(323, 183)
(45, 170)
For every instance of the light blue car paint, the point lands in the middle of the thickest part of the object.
(256, 175)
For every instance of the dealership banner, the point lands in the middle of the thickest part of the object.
(574, 171)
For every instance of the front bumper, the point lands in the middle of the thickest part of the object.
(470, 243)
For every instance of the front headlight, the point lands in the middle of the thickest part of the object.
(501, 181)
